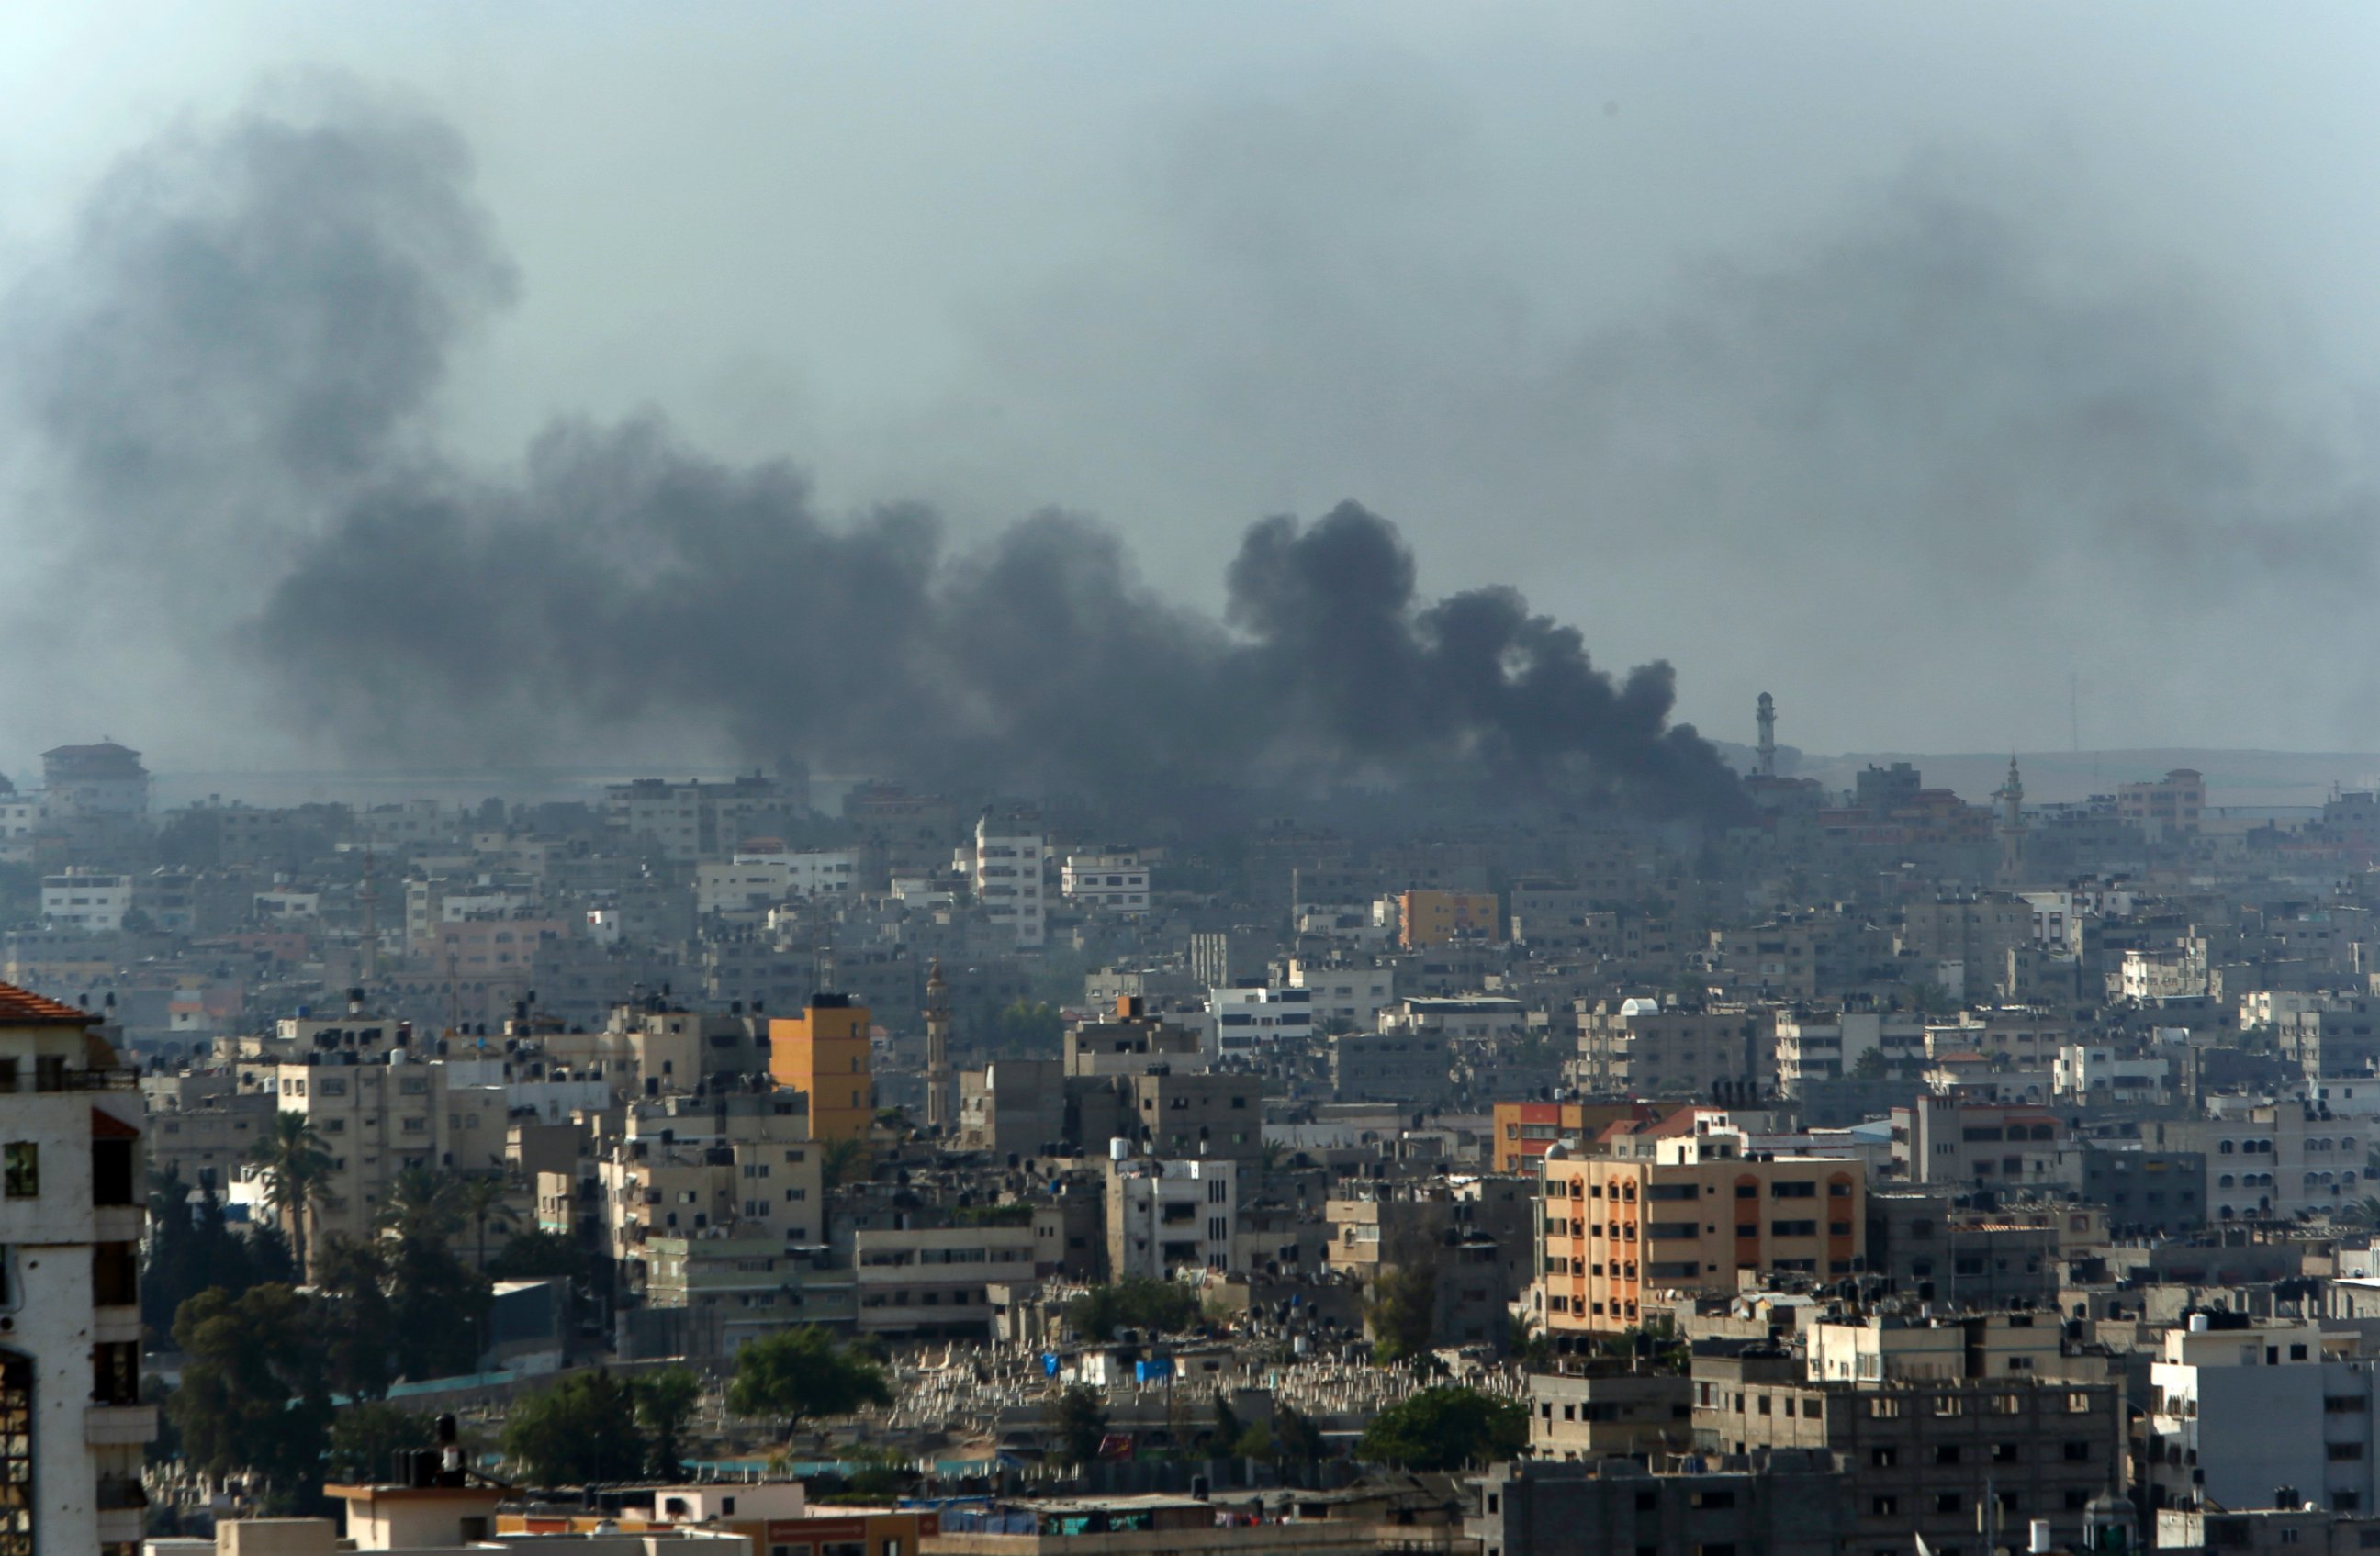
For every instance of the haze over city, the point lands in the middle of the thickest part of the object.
(1025, 780)
(1970, 380)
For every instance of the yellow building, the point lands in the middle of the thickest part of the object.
(823, 1053)
(1617, 1237)
(1433, 917)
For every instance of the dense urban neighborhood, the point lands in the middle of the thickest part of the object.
(836, 1168)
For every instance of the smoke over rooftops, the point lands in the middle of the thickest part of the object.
(231, 367)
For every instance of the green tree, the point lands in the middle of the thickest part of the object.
(1445, 1428)
(439, 1307)
(1402, 1312)
(357, 1322)
(582, 1430)
(254, 1397)
(1137, 1302)
(796, 1374)
(665, 1402)
(538, 1255)
(1078, 1420)
(366, 1439)
(478, 1198)
(844, 1161)
(1295, 1437)
(1023, 1028)
(297, 1176)
(1869, 1066)
(420, 1204)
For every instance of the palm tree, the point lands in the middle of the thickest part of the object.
(842, 1161)
(420, 1204)
(297, 1175)
(2366, 1210)
(477, 1198)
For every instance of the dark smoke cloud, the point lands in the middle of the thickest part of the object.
(233, 371)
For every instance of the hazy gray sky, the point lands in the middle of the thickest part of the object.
(1899, 360)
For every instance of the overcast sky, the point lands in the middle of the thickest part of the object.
(1902, 361)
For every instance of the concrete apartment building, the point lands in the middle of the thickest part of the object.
(1005, 869)
(1930, 1453)
(1249, 1020)
(1828, 1044)
(1640, 1048)
(2176, 802)
(1773, 1503)
(1435, 918)
(377, 1114)
(2310, 1395)
(72, 1193)
(2271, 1160)
(88, 901)
(1404, 1066)
(1105, 883)
(927, 1282)
(824, 1053)
(1167, 1217)
(1617, 1236)
(1341, 994)
(1984, 1145)
(1603, 1410)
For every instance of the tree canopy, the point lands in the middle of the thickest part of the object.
(1137, 1302)
(1445, 1428)
(538, 1255)
(581, 1431)
(254, 1393)
(799, 1373)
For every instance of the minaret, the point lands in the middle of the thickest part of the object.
(1767, 735)
(2011, 797)
(938, 1051)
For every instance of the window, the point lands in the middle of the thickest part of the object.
(112, 1173)
(115, 1372)
(20, 1167)
(114, 1275)
(17, 1500)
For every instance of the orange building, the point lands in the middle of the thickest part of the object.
(1616, 1237)
(823, 1053)
(1433, 917)
(1526, 1131)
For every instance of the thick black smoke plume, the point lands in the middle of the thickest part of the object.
(233, 370)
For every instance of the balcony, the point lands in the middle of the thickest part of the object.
(119, 1426)
(118, 1493)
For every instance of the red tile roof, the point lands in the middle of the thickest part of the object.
(22, 1007)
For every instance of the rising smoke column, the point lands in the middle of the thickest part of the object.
(231, 376)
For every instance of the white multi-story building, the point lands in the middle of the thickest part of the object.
(1106, 883)
(1352, 996)
(21, 815)
(2090, 1072)
(753, 883)
(91, 900)
(1167, 1217)
(71, 1217)
(2240, 1410)
(1242, 1022)
(1006, 872)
